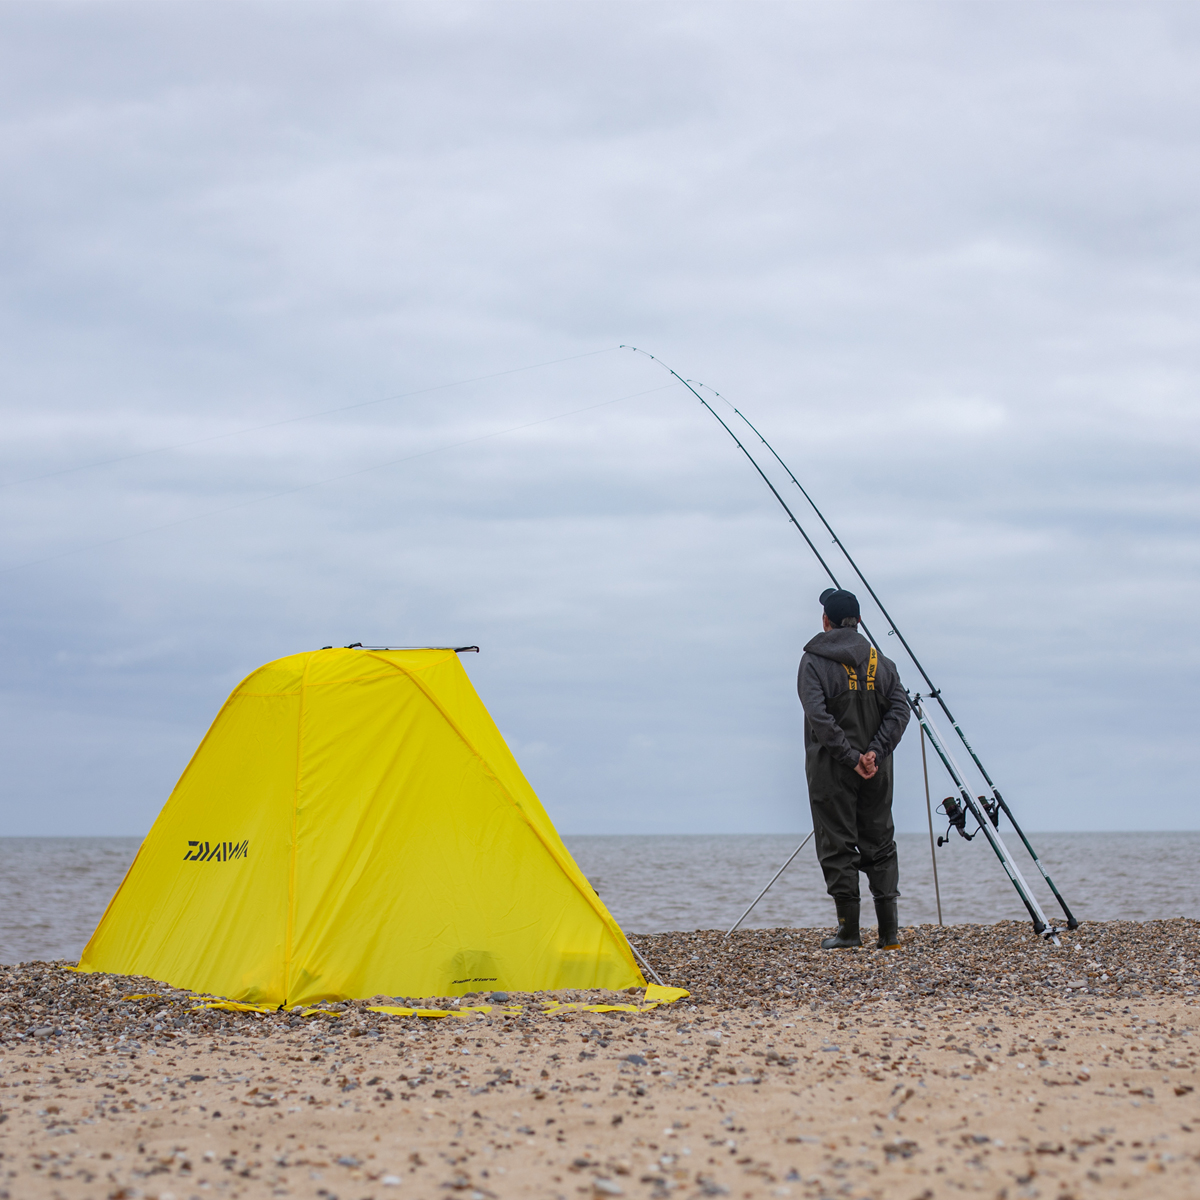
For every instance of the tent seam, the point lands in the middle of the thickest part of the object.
(325, 683)
(602, 912)
(290, 929)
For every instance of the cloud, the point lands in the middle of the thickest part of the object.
(942, 256)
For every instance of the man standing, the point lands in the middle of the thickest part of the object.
(855, 711)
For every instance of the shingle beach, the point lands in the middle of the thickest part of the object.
(977, 1059)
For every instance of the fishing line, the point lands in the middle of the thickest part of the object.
(216, 437)
(215, 512)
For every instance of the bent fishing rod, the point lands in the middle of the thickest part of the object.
(998, 804)
(971, 802)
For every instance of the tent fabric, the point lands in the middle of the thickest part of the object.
(352, 825)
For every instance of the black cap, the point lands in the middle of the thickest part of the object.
(839, 605)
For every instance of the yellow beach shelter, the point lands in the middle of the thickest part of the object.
(353, 824)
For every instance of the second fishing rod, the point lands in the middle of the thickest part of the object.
(998, 804)
(973, 803)
(970, 806)
(1041, 925)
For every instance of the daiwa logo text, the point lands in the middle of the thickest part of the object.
(216, 851)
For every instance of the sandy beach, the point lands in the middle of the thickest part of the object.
(976, 1059)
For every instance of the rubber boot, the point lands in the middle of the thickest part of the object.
(847, 936)
(889, 925)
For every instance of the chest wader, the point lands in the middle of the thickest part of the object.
(852, 816)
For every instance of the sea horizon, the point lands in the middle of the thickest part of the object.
(53, 889)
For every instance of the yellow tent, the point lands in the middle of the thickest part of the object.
(354, 824)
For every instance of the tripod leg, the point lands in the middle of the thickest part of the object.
(771, 884)
(937, 891)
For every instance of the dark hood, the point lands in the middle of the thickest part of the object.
(841, 645)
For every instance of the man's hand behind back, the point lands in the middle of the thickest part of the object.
(866, 767)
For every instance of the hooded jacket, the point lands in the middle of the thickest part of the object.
(823, 676)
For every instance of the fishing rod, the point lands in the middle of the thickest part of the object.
(1041, 925)
(958, 820)
(998, 804)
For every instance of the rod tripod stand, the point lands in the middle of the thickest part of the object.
(990, 828)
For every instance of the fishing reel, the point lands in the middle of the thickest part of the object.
(956, 814)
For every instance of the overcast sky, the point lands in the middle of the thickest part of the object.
(944, 255)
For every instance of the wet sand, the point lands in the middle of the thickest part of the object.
(971, 1060)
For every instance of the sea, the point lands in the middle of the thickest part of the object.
(53, 891)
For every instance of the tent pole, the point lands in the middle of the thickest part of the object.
(649, 969)
(937, 891)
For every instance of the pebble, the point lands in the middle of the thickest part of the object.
(968, 1061)
(1110, 960)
